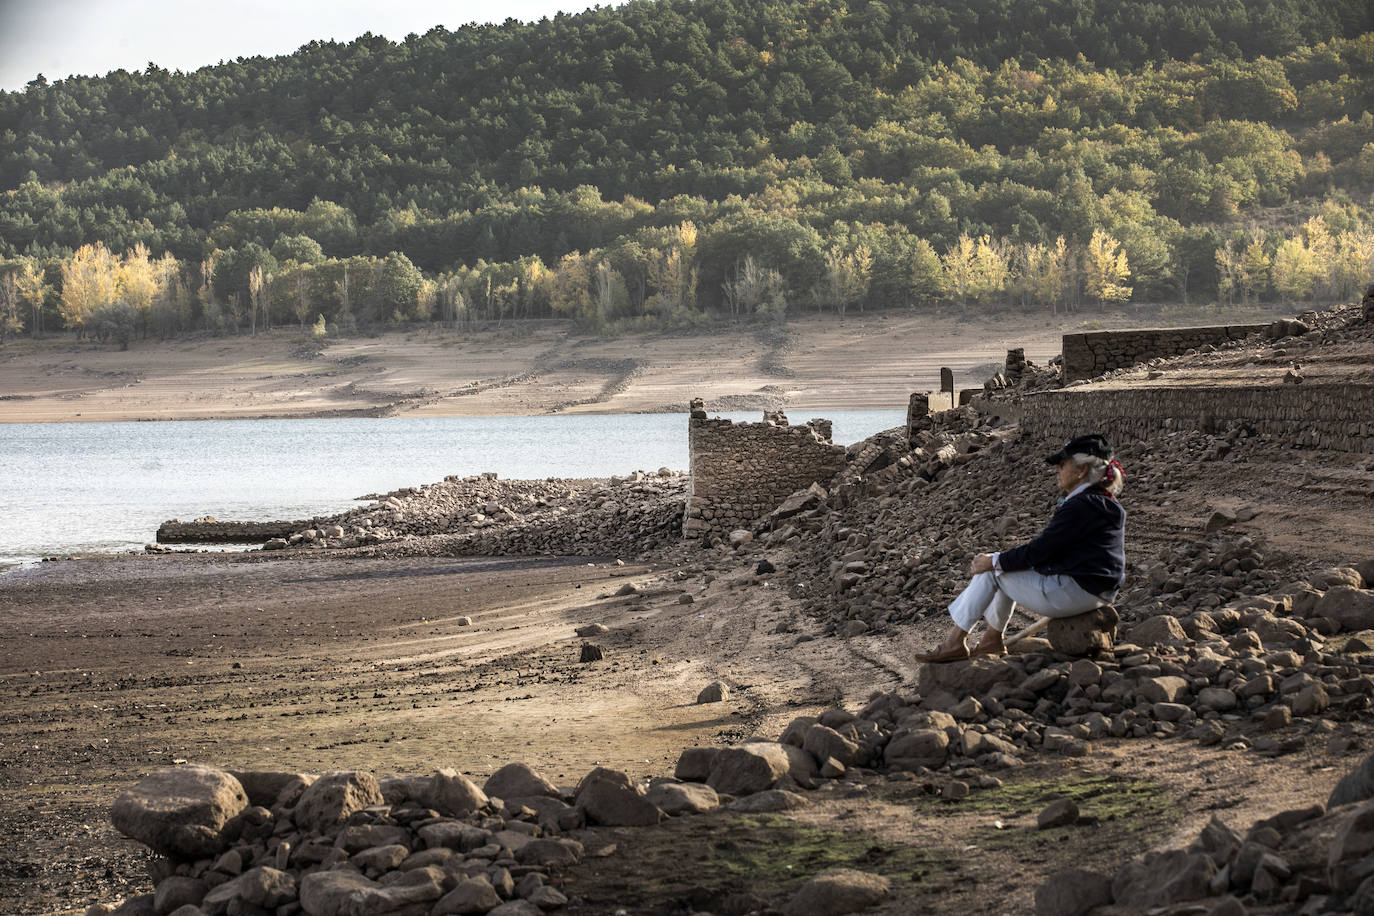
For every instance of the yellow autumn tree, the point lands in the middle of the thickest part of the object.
(33, 289)
(1255, 265)
(138, 281)
(990, 270)
(959, 267)
(570, 288)
(1296, 270)
(89, 282)
(673, 271)
(1105, 269)
(847, 277)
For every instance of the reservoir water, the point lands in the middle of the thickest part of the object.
(75, 488)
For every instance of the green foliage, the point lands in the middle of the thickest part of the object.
(808, 137)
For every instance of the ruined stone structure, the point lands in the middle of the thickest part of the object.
(1333, 416)
(1095, 352)
(212, 531)
(917, 413)
(741, 471)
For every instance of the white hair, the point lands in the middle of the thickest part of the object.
(1097, 470)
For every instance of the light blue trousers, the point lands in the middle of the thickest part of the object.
(993, 597)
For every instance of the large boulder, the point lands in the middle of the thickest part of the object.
(452, 794)
(609, 798)
(971, 678)
(694, 765)
(1085, 634)
(748, 768)
(182, 812)
(1162, 878)
(833, 893)
(1355, 786)
(917, 747)
(338, 893)
(1072, 893)
(675, 798)
(1352, 844)
(1352, 608)
(516, 780)
(470, 895)
(822, 743)
(1160, 630)
(329, 800)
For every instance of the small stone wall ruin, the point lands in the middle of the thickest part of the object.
(742, 471)
(1092, 353)
(213, 531)
(1331, 416)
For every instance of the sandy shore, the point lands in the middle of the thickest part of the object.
(815, 363)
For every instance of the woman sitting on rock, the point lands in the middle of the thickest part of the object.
(1076, 564)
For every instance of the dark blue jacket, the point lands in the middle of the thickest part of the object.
(1086, 539)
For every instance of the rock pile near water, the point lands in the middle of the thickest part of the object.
(482, 515)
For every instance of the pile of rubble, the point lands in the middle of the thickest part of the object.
(889, 541)
(483, 515)
(1313, 860)
(1215, 676)
(349, 844)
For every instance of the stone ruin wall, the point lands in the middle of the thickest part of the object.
(1095, 352)
(1333, 416)
(742, 471)
(210, 531)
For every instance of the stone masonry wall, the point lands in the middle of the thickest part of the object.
(1338, 417)
(1096, 352)
(741, 471)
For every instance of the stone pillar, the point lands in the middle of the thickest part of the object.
(917, 413)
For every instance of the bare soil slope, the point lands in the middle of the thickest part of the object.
(816, 362)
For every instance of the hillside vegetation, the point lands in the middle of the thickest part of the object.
(670, 158)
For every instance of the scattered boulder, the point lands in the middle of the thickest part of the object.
(694, 764)
(1160, 630)
(330, 799)
(836, 892)
(517, 780)
(1059, 813)
(748, 768)
(1074, 892)
(608, 798)
(1351, 607)
(714, 692)
(679, 798)
(181, 812)
(1085, 634)
(454, 795)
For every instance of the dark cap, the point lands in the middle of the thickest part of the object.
(1091, 444)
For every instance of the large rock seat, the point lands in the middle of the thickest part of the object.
(1093, 633)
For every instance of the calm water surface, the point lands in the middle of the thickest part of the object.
(105, 487)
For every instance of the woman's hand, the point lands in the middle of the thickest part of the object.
(981, 564)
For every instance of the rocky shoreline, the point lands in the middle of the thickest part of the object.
(1229, 642)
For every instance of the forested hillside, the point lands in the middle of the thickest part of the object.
(668, 158)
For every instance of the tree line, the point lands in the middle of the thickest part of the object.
(806, 145)
(107, 296)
